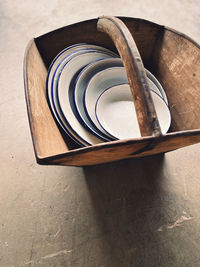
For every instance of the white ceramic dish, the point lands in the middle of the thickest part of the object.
(81, 83)
(62, 93)
(99, 83)
(115, 112)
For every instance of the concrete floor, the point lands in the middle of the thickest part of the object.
(143, 212)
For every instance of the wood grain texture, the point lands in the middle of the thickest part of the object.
(125, 44)
(177, 67)
(47, 139)
(171, 56)
(118, 150)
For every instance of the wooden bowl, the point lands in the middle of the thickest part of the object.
(171, 56)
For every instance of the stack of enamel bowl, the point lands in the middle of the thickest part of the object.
(89, 96)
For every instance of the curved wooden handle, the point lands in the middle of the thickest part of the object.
(125, 44)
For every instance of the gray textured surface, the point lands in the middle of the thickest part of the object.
(134, 213)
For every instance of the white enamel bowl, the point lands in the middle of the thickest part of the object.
(115, 112)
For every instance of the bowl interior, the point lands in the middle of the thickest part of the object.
(115, 112)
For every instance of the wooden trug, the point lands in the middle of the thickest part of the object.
(171, 56)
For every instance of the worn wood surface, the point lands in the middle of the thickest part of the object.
(46, 136)
(116, 150)
(177, 67)
(168, 54)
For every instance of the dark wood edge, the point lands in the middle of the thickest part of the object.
(150, 139)
(27, 98)
(124, 19)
